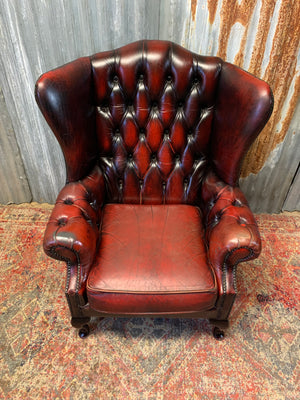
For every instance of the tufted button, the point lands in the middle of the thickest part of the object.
(130, 157)
(62, 222)
(186, 181)
(141, 77)
(166, 134)
(177, 157)
(169, 78)
(154, 105)
(164, 185)
(217, 217)
(142, 134)
(116, 79)
(93, 204)
(120, 182)
(180, 104)
(68, 201)
(237, 203)
(242, 221)
(212, 203)
(216, 220)
(153, 157)
(195, 81)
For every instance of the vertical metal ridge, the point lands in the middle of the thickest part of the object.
(260, 36)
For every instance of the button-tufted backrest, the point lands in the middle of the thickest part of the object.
(154, 116)
(155, 103)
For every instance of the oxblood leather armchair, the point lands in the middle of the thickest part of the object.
(151, 221)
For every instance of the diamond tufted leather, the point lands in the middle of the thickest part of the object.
(152, 126)
(153, 119)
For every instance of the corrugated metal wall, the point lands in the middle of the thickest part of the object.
(261, 36)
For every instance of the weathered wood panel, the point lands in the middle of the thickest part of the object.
(261, 36)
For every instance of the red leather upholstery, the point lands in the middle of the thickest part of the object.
(231, 230)
(152, 126)
(149, 262)
(243, 106)
(153, 121)
(72, 232)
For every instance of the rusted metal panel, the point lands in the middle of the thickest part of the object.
(261, 36)
(267, 190)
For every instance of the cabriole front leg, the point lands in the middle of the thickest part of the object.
(218, 328)
(76, 301)
(79, 320)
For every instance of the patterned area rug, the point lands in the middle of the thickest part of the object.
(41, 356)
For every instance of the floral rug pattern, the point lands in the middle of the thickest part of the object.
(42, 357)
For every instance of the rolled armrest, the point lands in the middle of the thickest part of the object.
(232, 234)
(72, 233)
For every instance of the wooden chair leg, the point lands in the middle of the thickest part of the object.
(219, 328)
(84, 331)
(218, 333)
(83, 325)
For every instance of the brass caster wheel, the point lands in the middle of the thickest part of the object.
(218, 333)
(84, 331)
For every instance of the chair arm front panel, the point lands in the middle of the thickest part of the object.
(72, 233)
(232, 234)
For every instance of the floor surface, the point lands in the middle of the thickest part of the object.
(41, 356)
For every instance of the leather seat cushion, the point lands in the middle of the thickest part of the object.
(152, 259)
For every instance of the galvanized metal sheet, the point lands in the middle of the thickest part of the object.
(14, 185)
(261, 36)
(267, 190)
(292, 202)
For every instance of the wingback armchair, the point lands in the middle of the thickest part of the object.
(151, 221)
